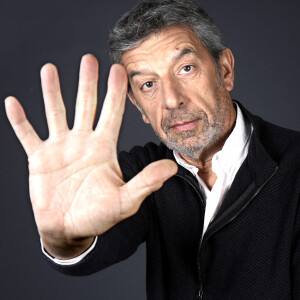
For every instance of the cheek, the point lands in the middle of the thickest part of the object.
(155, 118)
(206, 89)
(201, 95)
(149, 114)
(205, 96)
(155, 121)
(151, 109)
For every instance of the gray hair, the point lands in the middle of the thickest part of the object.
(151, 16)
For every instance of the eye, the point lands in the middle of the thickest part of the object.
(147, 85)
(187, 69)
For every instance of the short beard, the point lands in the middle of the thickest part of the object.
(210, 134)
(193, 152)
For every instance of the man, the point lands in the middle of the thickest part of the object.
(218, 221)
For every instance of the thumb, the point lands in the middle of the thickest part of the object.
(150, 179)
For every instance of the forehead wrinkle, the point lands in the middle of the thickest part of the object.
(168, 40)
(175, 43)
(184, 48)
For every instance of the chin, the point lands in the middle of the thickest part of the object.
(187, 146)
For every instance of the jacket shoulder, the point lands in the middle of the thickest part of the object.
(277, 140)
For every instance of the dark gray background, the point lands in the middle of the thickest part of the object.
(263, 35)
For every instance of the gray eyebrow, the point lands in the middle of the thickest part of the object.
(134, 73)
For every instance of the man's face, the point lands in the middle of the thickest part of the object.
(175, 83)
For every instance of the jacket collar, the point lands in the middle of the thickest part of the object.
(261, 164)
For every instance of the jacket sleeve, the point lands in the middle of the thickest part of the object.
(119, 242)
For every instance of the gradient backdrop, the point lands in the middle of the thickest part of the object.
(263, 35)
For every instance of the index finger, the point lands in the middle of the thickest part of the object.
(113, 107)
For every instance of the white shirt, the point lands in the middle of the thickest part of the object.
(225, 165)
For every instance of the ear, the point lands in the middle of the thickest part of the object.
(226, 61)
(133, 101)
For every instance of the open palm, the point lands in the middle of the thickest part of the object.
(76, 185)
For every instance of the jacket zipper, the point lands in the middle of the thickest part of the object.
(200, 292)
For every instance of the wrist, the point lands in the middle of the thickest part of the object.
(63, 248)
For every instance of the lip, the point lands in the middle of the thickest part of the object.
(185, 125)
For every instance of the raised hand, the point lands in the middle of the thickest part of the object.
(76, 185)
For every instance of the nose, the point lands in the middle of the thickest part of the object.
(172, 94)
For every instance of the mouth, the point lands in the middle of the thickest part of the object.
(184, 125)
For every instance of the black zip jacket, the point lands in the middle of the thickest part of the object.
(251, 250)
